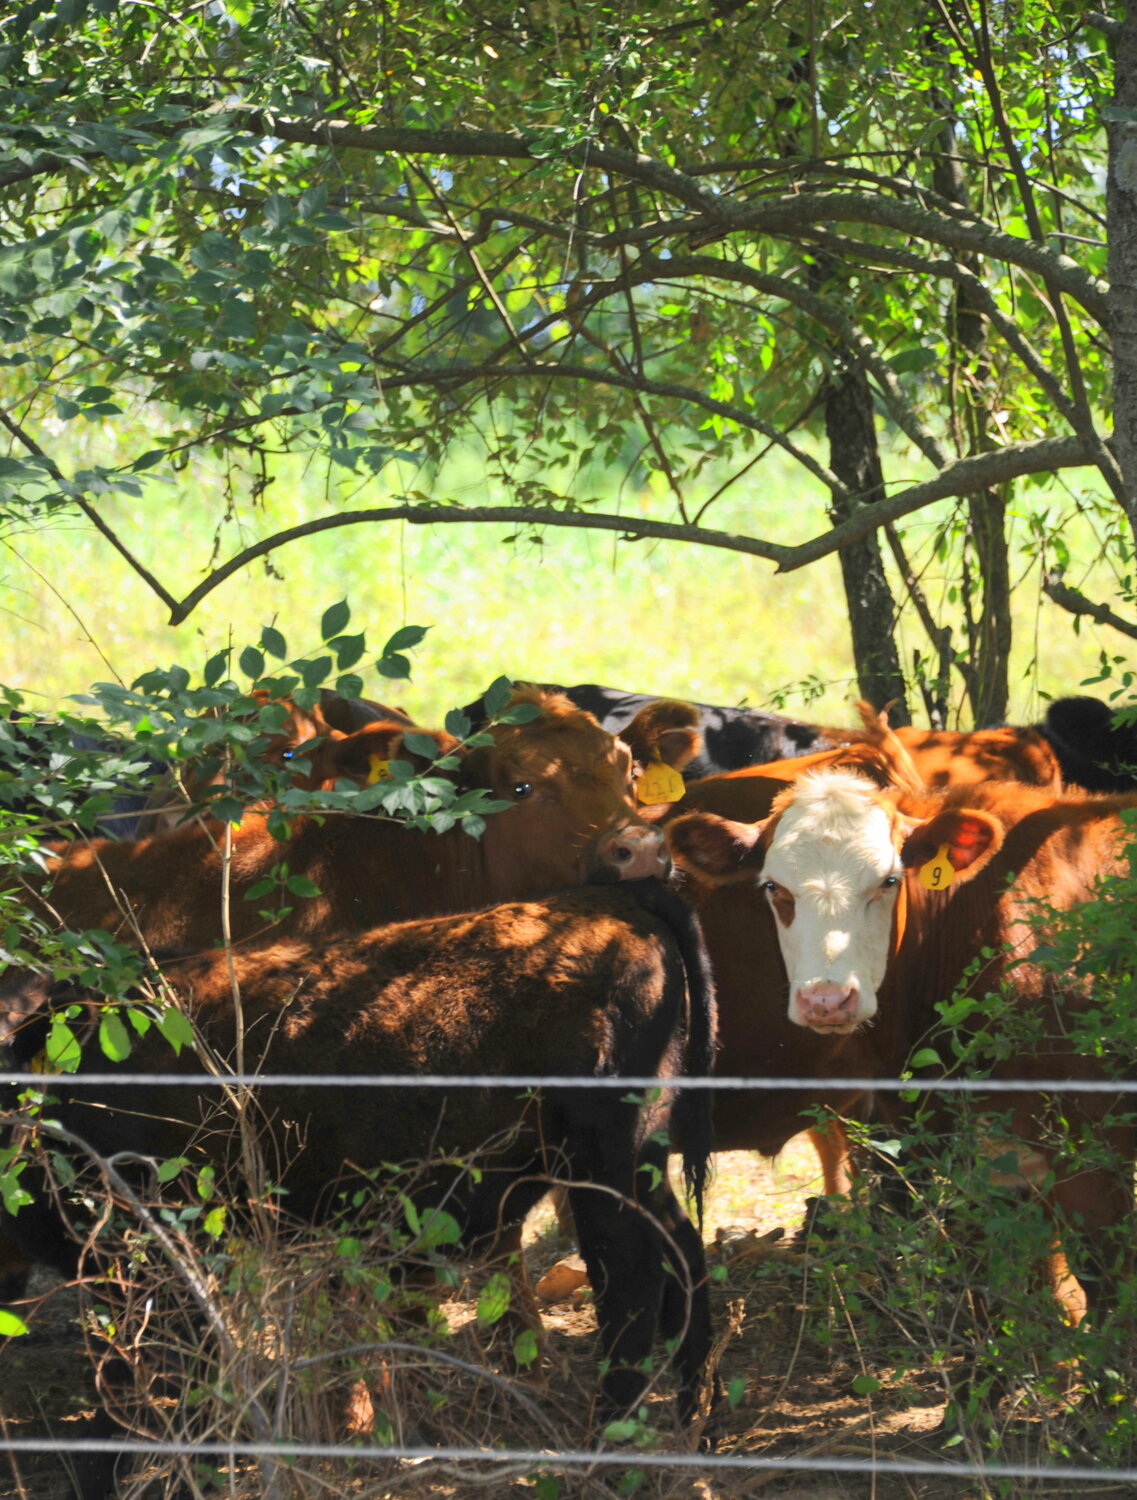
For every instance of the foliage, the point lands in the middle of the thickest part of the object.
(950, 1272)
(651, 234)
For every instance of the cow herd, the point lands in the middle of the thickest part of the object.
(832, 888)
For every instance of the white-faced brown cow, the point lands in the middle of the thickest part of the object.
(882, 905)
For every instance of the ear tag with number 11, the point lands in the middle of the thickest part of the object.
(939, 872)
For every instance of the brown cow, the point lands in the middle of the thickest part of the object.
(848, 876)
(569, 819)
(588, 984)
(1075, 744)
(741, 935)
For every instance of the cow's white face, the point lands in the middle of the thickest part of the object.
(832, 873)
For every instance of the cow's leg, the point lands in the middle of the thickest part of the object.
(685, 1313)
(625, 1268)
(833, 1153)
(1096, 1204)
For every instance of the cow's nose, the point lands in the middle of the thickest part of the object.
(825, 1006)
(634, 853)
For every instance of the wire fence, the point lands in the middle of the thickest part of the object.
(567, 1460)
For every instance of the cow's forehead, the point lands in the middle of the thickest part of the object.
(564, 751)
(832, 821)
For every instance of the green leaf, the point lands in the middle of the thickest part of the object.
(334, 620)
(168, 1170)
(404, 639)
(497, 696)
(63, 1051)
(395, 667)
(215, 668)
(114, 1038)
(735, 1390)
(300, 885)
(176, 1029)
(493, 1303)
(526, 1347)
(436, 1227)
(274, 643)
(927, 1057)
(421, 744)
(865, 1385)
(10, 1326)
(349, 648)
(214, 1221)
(252, 663)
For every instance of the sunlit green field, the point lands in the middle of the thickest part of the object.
(569, 607)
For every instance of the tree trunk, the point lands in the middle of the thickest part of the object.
(855, 458)
(1121, 218)
(986, 673)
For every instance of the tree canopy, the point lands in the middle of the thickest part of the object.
(667, 237)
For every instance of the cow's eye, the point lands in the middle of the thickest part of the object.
(889, 881)
(288, 754)
(521, 790)
(770, 887)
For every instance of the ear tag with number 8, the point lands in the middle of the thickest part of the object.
(659, 782)
(378, 769)
(939, 872)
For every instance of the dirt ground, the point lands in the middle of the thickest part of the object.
(801, 1386)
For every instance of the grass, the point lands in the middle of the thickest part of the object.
(563, 606)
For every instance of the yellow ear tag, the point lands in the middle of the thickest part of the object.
(659, 783)
(378, 770)
(40, 1064)
(939, 872)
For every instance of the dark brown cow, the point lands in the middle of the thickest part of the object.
(842, 870)
(588, 983)
(570, 819)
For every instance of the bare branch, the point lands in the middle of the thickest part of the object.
(86, 507)
(1077, 604)
(962, 477)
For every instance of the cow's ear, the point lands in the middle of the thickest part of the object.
(968, 837)
(364, 756)
(716, 850)
(667, 728)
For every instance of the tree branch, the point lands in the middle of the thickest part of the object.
(793, 212)
(962, 477)
(1077, 604)
(72, 493)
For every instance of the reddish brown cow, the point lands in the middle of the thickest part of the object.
(570, 819)
(588, 984)
(948, 758)
(842, 870)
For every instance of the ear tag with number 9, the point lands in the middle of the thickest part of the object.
(378, 769)
(939, 872)
(659, 783)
